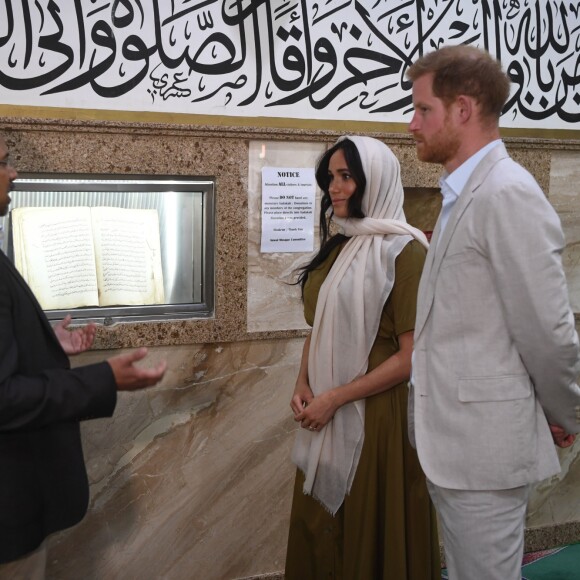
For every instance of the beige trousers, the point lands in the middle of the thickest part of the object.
(29, 567)
(483, 531)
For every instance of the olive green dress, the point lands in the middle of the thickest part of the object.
(386, 527)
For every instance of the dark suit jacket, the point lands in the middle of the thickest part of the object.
(43, 482)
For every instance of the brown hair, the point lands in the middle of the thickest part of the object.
(465, 70)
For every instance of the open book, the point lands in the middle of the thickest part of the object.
(83, 256)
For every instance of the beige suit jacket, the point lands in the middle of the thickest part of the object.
(496, 351)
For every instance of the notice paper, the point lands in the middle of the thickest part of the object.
(288, 198)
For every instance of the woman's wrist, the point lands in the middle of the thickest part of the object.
(301, 385)
(336, 398)
(344, 394)
(301, 380)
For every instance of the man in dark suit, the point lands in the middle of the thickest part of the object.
(43, 482)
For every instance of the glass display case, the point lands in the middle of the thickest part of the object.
(114, 248)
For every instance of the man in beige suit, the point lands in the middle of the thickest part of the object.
(496, 353)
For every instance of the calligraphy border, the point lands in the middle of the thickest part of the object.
(229, 121)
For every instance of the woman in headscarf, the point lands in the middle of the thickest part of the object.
(361, 510)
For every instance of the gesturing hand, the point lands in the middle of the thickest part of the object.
(129, 377)
(74, 341)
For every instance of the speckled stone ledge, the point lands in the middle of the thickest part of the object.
(218, 152)
(546, 537)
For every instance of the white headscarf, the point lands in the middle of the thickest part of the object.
(346, 323)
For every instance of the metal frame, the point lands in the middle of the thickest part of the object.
(202, 308)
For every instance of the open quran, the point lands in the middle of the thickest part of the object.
(89, 256)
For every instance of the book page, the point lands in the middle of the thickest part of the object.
(53, 250)
(128, 256)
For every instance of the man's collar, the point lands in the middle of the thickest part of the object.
(457, 179)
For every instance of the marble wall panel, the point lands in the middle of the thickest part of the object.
(557, 500)
(190, 480)
(564, 194)
(274, 304)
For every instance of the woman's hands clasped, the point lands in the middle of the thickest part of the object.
(312, 412)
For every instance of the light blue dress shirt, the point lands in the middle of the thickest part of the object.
(452, 184)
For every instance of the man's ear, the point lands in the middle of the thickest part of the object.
(465, 107)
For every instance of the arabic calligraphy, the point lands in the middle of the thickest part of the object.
(324, 59)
